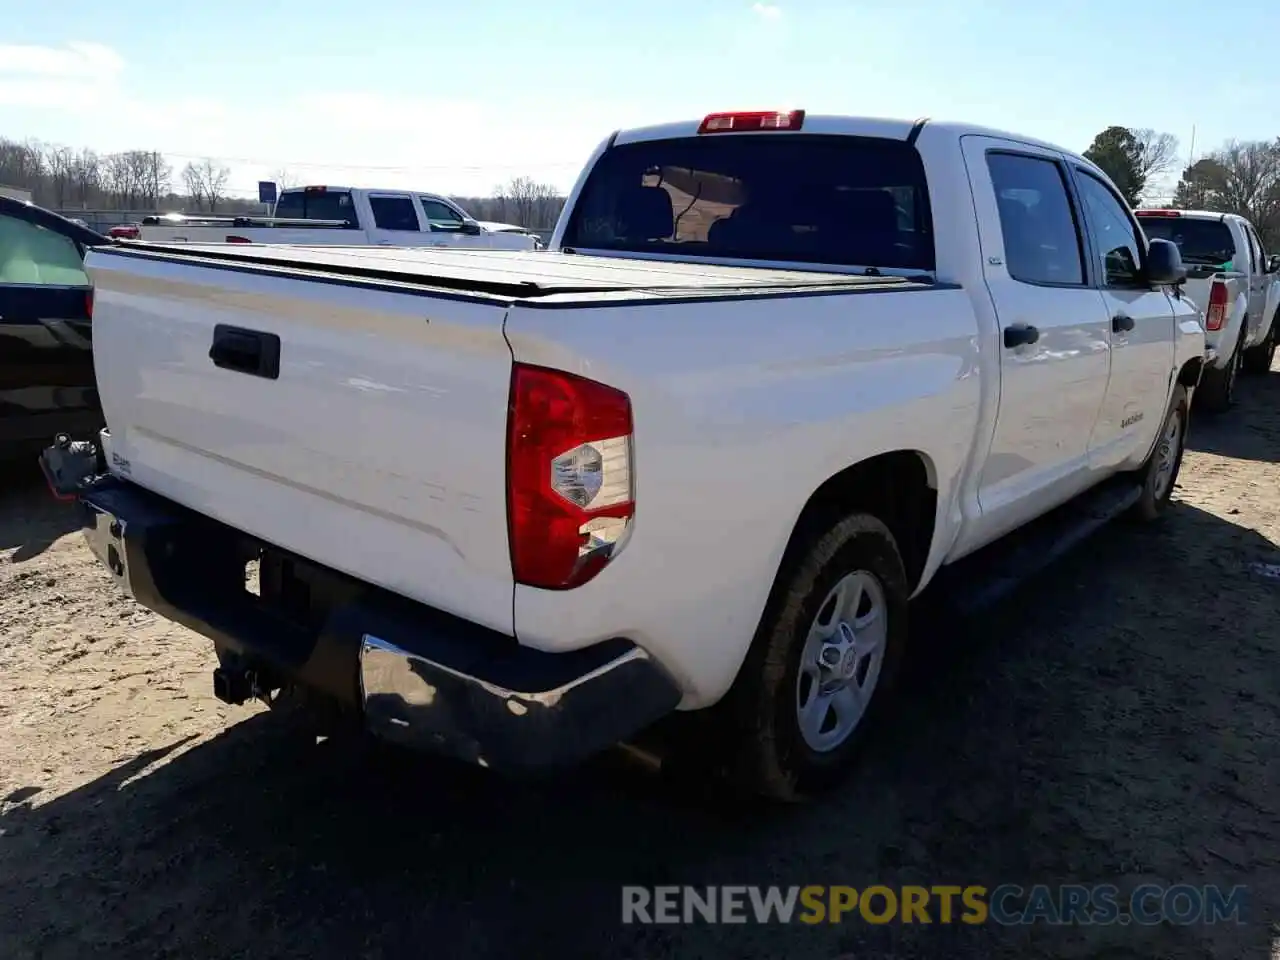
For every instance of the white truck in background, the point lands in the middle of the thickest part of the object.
(1235, 284)
(775, 376)
(342, 216)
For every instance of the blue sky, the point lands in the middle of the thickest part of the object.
(457, 97)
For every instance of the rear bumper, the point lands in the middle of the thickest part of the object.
(416, 675)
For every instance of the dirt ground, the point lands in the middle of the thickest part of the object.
(1116, 722)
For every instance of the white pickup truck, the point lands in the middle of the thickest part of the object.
(343, 216)
(774, 373)
(1236, 285)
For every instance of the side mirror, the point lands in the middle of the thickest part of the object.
(1164, 263)
(470, 228)
(1273, 263)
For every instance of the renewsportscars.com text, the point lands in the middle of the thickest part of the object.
(1008, 904)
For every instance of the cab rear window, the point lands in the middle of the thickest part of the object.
(317, 205)
(846, 201)
(1199, 241)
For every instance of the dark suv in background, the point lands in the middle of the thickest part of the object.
(46, 343)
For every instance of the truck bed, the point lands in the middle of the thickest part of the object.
(514, 274)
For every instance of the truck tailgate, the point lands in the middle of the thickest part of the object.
(377, 448)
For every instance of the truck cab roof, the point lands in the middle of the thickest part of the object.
(1157, 212)
(852, 126)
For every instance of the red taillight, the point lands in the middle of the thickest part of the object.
(125, 233)
(315, 189)
(1158, 213)
(570, 484)
(233, 238)
(1216, 315)
(737, 122)
(88, 304)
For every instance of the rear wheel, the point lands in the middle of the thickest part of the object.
(823, 663)
(1258, 359)
(1217, 391)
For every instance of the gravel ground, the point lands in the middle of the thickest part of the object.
(1115, 723)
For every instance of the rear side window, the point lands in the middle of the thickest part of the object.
(393, 213)
(847, 201)
(36, 255)
(1199, 241)
(317, 205)
(1041, 238)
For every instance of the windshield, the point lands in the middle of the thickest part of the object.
(838, 200)
(1199, 241)
(316, 205)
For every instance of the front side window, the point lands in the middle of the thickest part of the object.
(1041, 240)
(31, 254)
(1255, 249)
(1115, 238)
(440, 213)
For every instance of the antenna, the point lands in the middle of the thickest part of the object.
(1191, 154)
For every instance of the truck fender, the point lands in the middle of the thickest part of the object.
(1235, 330)
(899, 487)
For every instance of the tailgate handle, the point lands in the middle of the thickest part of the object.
(246, 351)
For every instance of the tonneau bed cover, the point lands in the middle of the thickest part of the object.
(517, 274)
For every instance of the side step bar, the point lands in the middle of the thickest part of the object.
(988, 576)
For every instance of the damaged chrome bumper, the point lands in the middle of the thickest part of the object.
(417, 676)
(528, 715)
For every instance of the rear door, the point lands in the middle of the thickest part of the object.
(395, 220)
(1141, 326)
(1258, 282)
(46, 346)
(1055, 357)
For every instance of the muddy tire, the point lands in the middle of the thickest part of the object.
(822, 666)
(1160, 473)
(1217, 391)
(1257, 360)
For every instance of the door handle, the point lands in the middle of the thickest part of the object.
(1020, 334)
(246, 351)
(1122, 323)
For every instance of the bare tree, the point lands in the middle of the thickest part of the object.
(63, 178)
(59, 163)
(127, 177)
(1157, 152)
(285, 179)
(21, 164)
(193, 180)
(157, 177)
(1240, 178)
(213, 182)
(527, 202)
(86, 176)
